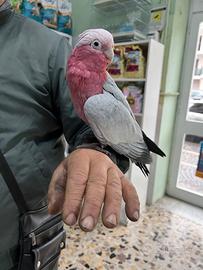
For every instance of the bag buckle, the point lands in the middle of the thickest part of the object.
(33, 238)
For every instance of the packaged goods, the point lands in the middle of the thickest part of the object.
(32, 9)
(134, 62)
(49, 13)
(64, 18)
(17, 5)
(134, 97)
(116, 68)
(199, 171)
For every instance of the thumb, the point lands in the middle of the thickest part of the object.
(56, 192)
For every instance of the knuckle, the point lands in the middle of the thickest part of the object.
(72, 204)
(117, 196)
(74, 197)
(95, 192)
(60, 187)
(115, 202)
(132, 190)
(92, 204)
(102, 158)
(74, 201)
(125, 179)
(78, 178)
(58, 182)
(98, 181)
(115, 183)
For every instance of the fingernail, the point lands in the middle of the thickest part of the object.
(136, 215)
(112, 220)
(71, 219)
(88, 223)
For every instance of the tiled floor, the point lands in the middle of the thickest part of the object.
(164, 238)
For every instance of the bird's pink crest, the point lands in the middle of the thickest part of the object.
(104, 36)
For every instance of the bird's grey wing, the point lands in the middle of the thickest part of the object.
(111, 87)
(113, 125)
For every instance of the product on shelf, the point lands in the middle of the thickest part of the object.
(116, 68)
(32, 9)
(64, 19)
(134, 97)
(55, 14)
(134, 62)
(16, 4)
(199, 171)
(49, 13)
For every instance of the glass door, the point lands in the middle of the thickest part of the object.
(186, 166)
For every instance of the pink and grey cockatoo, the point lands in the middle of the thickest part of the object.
(101, 104)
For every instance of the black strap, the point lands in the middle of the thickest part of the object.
(12, 184)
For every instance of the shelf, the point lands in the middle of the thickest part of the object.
(138, 114)
(107, 5)
(198, 77)
(131, 35)
(200, 53)
(128, 80)
(141, 43)
(135, 24)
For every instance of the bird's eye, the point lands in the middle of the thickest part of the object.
(96, 44)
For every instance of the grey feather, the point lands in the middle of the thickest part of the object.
(111, 87)
(113, 123)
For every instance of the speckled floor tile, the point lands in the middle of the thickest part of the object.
(161, 240)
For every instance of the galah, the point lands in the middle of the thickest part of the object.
(101, 104)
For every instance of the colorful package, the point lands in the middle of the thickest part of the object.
(17, 5)
(116, 68)
(134, 97)
(134, 62)
(64, 20)
(199, 171)
(49, 13)
(32, 9)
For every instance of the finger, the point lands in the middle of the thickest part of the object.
(56, 190)
(77, 176)
(94, 196)
(113, 199)
(131, 199)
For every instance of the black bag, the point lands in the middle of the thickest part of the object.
(41, 236)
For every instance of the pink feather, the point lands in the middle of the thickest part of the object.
(86, 74)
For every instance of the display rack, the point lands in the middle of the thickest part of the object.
(129, 80)
(108, 5)
(128, 36)
(148, 117)
(134, 18)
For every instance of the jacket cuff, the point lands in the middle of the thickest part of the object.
(121, 161)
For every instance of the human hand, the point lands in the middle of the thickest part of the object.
(91, 175)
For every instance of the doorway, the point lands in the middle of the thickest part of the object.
(186, 166)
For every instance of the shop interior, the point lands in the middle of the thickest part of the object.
(158, 65)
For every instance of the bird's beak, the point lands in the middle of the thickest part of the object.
(109, 54)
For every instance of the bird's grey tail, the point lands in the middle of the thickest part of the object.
(143, 168)
(152, 146)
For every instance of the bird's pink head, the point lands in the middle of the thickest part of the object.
(98, 42)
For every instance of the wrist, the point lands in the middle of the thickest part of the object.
(121, 161)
